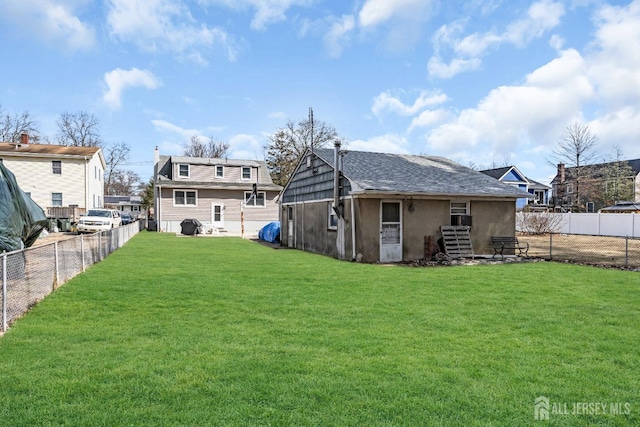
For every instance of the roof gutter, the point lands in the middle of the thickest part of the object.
(377, 193)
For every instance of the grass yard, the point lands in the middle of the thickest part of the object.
(222, 331)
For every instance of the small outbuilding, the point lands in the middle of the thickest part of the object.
(622, 207)
(381, 207)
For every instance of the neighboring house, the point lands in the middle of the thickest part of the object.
(57, 176)
(217, 192)
(389, 204)
(128, 204)
(566, 186)
(512, 176)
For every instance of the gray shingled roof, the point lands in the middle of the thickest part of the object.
(429, 175)
(498, 173)
(264, 179)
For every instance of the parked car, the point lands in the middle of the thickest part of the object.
(99, 220)
(126, 218)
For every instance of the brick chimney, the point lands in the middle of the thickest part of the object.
(24, 138)
(561, 172)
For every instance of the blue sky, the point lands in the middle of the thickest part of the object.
(482, 81)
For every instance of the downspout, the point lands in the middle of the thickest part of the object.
(156, 189)
(336, 178)
(353, 229)
(87, 190)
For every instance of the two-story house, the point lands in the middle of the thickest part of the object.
(512, 176)
(591, 186)
(225, 195)
(56, 176)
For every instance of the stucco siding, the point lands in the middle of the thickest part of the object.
(424, 220)
(491, 218)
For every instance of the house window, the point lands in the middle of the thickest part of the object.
(332, 217)
(219, 171)
(539, 197)
(56, 199)
(183, 171)
(460, 208)
(185, 198)
(258, 200)
(56, 167)
(246, 172)
(569, 188)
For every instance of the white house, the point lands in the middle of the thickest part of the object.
(55, 175)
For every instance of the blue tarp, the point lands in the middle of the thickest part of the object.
(270, 232)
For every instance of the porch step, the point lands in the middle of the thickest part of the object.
(457, 241)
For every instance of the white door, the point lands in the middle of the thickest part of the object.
(390, 231)
(217, 215)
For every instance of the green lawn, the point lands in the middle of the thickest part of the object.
(222, 331)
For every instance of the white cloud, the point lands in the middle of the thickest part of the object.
(168, 127)
(429, 118)
(387, 102)
(541, 17)
(337, 34)
(389, 143)
(375, 12)
(52, 21)
(245, 146)
(600, 87)
(278, 115)
(511, 116)
(439, 69)
(266, 11)
(615, 62)
(119, 80)
(166, 25)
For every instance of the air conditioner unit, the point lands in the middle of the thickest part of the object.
(461, 220)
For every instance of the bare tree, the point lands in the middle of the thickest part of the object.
(124, 182)
(576, 149)
(610, 182)
(79, 129)
(114, 156)
(209, 149)
(288, 144)
(12, 126)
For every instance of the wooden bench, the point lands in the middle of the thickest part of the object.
(511, 243)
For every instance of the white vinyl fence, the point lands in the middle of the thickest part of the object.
(29, 275)
(593, 224)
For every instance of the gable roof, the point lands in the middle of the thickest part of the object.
(371, 172)
(47, 150)
(499, 173)
(595, 169)
(165, 162)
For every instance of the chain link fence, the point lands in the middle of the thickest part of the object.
(29, 275)
(609, 251)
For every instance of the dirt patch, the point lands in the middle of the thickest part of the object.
(54, 237)
(609, 251)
